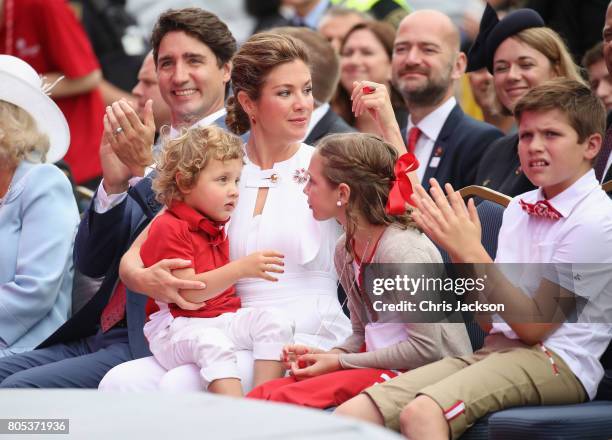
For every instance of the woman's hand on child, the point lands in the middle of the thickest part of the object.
(315, 364)
(291, 352)
(258, 264)
(448, 221)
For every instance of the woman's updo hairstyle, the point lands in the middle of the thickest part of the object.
(251, 65)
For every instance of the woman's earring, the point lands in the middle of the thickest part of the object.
(252, 120)
(338, 203)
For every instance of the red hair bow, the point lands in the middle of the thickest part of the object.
(401, 189)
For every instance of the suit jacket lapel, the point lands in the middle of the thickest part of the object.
(442, 146)
(322, 127)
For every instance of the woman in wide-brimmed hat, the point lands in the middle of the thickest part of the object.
(38, 213)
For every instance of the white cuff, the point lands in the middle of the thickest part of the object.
(134, 180)
(104, 202)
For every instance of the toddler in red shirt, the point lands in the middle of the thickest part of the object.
(197, 179)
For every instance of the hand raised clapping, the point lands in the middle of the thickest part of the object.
(130, 138)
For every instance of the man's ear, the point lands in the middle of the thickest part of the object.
(592, 146)
(227, 72)
(459, 66)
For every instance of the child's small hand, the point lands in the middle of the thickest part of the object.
(315, 364)
(291, 352)
(258, 264)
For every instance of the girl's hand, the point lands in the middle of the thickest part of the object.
(371, 97)
(315, 364)
(291, 352)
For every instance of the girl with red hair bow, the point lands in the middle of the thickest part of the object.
(350, 179)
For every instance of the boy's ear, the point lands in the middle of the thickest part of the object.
(180, 183)
(593, 145)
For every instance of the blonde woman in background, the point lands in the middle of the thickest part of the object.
(38, 212)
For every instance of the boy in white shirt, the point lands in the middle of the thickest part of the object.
(522, 363)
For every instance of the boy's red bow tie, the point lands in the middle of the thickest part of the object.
(541, 208)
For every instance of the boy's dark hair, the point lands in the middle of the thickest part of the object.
(199, 24)
(593, 55)
(585, 111)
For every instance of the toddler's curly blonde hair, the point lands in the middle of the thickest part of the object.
(183, 158)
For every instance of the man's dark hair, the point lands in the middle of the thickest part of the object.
(199, 24)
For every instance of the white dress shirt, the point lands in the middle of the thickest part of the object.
(315, 117)
(582, 235)
(430, 127)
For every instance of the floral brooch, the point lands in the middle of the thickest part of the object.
(300, 176)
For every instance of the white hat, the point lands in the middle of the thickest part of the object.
(21, 85)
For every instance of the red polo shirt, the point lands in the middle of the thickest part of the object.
(182, 232)
(47, 35)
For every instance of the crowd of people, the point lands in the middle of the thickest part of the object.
(243, 191)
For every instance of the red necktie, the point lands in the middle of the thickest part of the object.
(541, 208)
(604, 153)
(413, 138)
(115, 309)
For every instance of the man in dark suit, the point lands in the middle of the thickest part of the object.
(603, 164)
(426, 65)
(325, 70)
(192, 49)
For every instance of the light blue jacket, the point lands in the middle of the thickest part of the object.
(38, 222)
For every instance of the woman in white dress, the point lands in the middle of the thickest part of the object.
(273, 99)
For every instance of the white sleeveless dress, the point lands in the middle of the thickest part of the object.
(307, 290)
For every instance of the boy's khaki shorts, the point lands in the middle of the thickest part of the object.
(503, 374)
